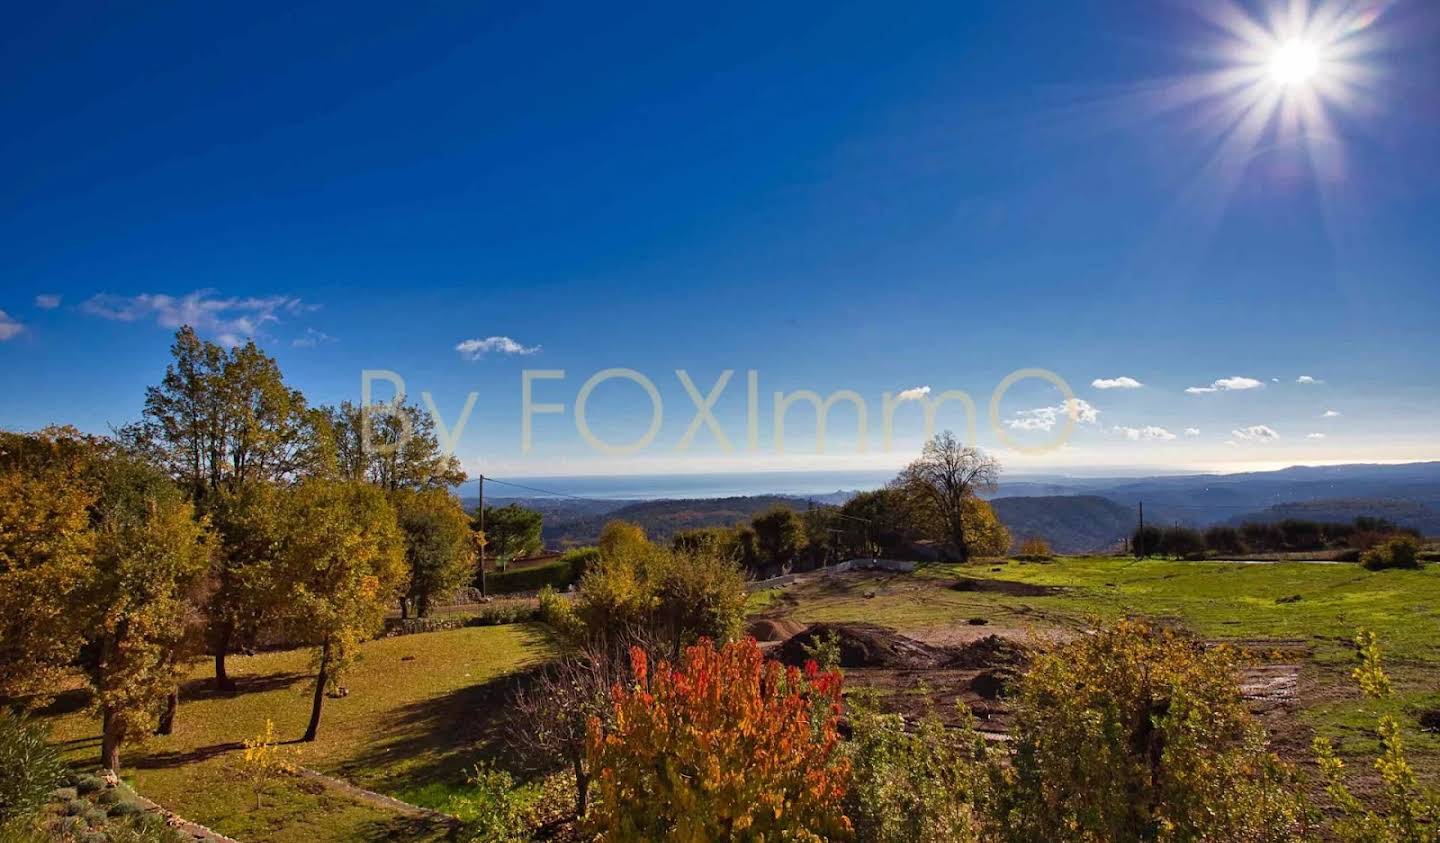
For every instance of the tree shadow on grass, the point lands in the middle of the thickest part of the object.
(163, 760)
(439, 740)
(204, 689)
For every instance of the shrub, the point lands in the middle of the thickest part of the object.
(1401, 551)
(29, 767)
(929, 785)
(1181, 542)
(560, 615)
(700, 594)
(1137, 734)
(1035, 548)
(264, 761)
(1411, 812)
(89, 783)
(495, 811)
(724, 745)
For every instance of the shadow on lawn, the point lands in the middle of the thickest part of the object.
(438, 740)
(204, 689)
(162, 760)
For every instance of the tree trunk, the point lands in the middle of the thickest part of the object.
(111, 735)
(222, 647)
(319, 699)
(404, 609)
(422, 605)
(167, 717)
(582, 786)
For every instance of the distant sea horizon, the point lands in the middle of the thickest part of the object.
(684, 486)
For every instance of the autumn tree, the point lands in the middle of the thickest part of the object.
(511, 531)
(942, 479)
(345, 558)
(46, 548)
(150, 556)
(249, 524)
(439, 546)
(392, 447)
(221, 420)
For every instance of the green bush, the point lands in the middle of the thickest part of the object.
(89, 783)
(928, 785)
(1138, 734)
(559, 614)
(558, 574)
(495, 811)
(30, 768)
(1399, 551)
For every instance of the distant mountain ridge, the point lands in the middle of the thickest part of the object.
(1074, 515)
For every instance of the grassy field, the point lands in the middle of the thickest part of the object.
(412, 724)
(1317, 607)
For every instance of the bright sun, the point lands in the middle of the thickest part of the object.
(1294, 63)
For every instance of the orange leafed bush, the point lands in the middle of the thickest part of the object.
(723, 746)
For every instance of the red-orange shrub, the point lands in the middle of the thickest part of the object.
(724, 746)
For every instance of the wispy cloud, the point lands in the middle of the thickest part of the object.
(1044, 418)
(1314, 436)
(1330, 414)
(230, 320)
(913, 393)
(1147, 433)
(1192, 431)
(312, 338)
(1121, 382)
(47, 301)
(1230, 384)
(475, 349)
(9, 328)
(1255, 433)
(1306, 379)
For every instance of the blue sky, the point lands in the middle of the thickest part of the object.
(837, 196)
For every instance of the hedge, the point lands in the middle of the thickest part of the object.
(559, 574)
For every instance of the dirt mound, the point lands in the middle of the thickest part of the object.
(992, 651)
(863, 645)
(774, 629)
(1007, 587)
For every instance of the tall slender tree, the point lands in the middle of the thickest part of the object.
(150, 554)
(346, 558)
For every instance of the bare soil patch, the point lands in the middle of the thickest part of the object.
(1010, 588)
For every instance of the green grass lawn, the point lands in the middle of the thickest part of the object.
(413, 722)
(1249, 603)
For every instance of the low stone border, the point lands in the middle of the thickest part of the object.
(891, 565)
(379, 800)
(172, 819)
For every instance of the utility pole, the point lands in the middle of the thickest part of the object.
(480, 517)
(1140, 536)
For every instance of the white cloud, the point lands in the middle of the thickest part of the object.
(1192, 431)
(1044, 418)
(1256, 433)
(1121, 382)
(475, 349)
(9, 328)
(47, 301)
(1314, 436)
(913, 393)
(229, 320)
(1306, 379)
(1230, 384)
(1330, 414)
(1149, 432)
(311, 339)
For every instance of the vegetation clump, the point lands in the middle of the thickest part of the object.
(1400, 551)
(720, 745)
